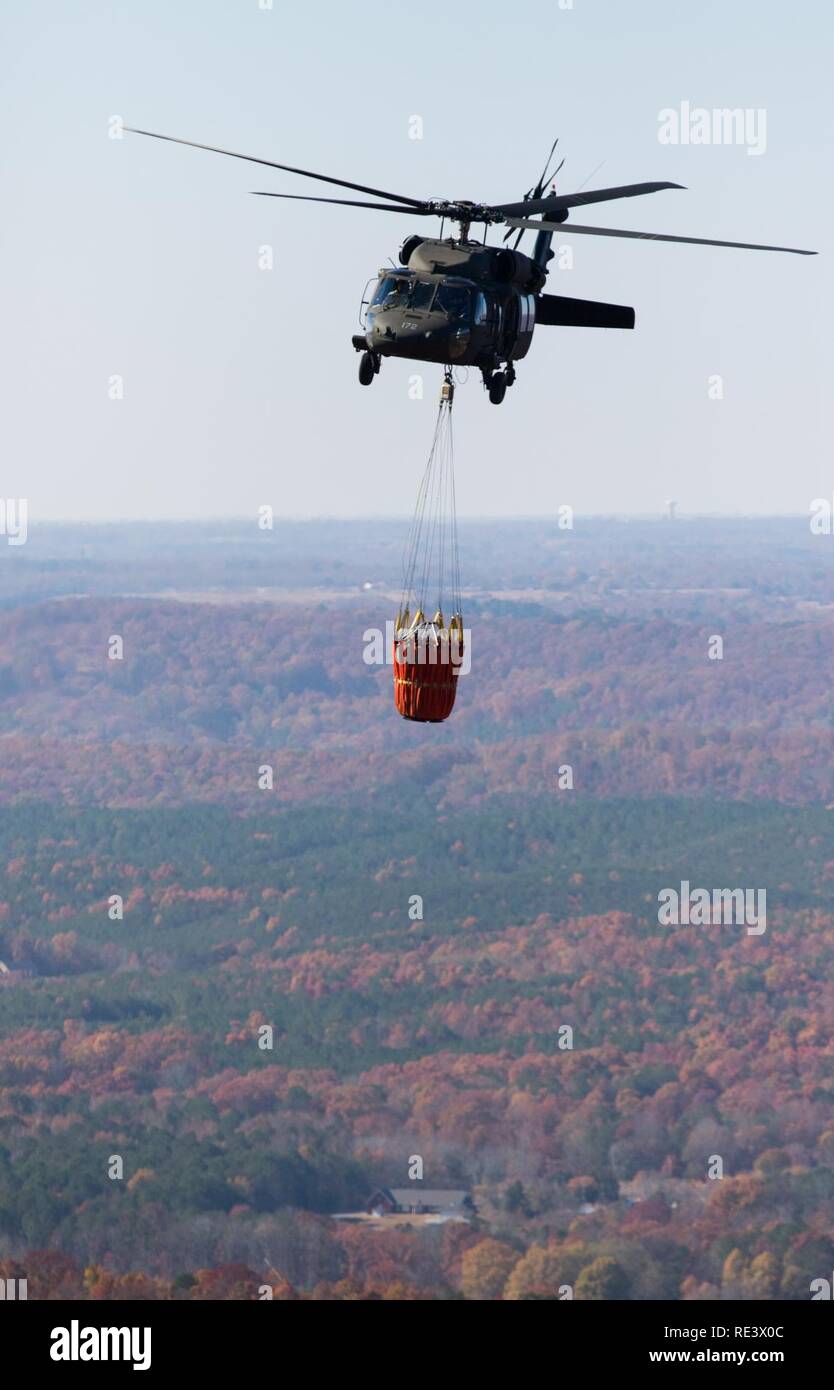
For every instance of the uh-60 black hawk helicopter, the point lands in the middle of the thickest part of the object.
(460, 302)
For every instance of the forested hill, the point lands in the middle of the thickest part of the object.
(266, 942)
(594, 647)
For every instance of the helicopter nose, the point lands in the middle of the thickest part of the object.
(400, 331)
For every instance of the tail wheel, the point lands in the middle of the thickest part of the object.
(367, 368)
(497, 387)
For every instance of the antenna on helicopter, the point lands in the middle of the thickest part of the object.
(536, 192)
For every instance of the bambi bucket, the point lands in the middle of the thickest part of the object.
(427, 662)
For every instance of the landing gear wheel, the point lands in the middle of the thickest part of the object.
(497, 387)
(367, 368)
(510, 375)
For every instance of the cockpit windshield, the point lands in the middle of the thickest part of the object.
(454, 299)
(401, 292)
(422, 294)
(407, 292)
(391, 292)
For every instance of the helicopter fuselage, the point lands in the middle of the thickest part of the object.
(455, 303)
(463, 303)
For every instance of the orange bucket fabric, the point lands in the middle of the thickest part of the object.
(426, 677)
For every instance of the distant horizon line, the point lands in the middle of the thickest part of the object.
(306, 519)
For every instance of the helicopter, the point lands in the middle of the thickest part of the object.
(460, 302)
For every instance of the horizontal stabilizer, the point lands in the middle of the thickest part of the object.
(582, 313)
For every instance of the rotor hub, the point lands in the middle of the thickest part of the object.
(462, 210)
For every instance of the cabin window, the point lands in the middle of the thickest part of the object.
(526, 313)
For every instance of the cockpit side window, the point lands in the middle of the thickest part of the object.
(481, 308)
(454, 299)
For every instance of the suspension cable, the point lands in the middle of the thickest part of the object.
(432, 548)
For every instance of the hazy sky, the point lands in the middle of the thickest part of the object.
(134, 258)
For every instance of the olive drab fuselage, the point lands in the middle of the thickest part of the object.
(458, 303)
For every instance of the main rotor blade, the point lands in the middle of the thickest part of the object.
(569, 227)
(271, 164)
(558, 202)
(344, 202)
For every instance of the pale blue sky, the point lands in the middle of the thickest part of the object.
(137, 258)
